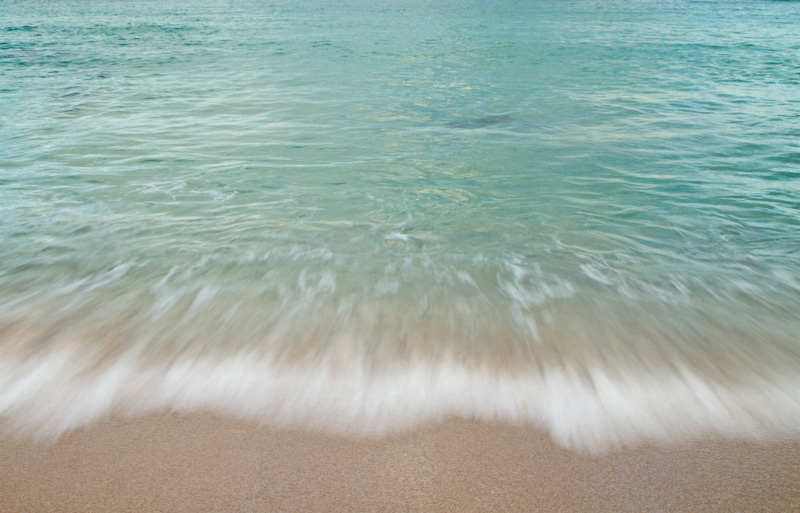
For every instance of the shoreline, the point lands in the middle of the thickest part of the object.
(204, 462)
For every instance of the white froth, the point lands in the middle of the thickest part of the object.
(56, 393)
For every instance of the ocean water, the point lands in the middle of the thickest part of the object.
(367, 215)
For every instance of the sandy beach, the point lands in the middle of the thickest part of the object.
(202, 462)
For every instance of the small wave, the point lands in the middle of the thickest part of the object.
(589, 410)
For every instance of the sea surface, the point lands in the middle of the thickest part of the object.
(365, 215)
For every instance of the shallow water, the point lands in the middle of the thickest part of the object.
(361, 216)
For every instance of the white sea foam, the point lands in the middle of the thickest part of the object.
(593, 411)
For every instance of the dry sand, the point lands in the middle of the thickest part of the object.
(204, 463)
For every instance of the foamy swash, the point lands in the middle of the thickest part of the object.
(595, 374)
(592, 409)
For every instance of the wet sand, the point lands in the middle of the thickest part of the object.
(202, 462)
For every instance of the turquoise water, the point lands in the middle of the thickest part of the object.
(364, 215)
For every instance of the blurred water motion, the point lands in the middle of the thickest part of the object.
(360, 217)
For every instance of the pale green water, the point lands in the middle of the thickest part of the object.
(366, 214)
